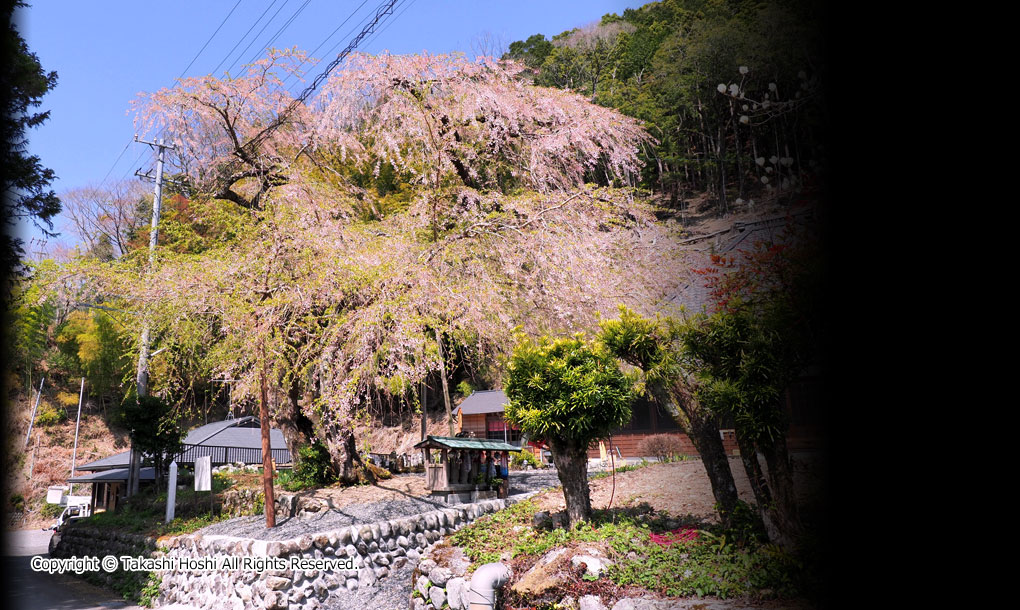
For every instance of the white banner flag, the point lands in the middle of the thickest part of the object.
(203, 473)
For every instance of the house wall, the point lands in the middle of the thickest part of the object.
(473, 424)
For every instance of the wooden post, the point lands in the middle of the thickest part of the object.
(267, 454)
(476, 457)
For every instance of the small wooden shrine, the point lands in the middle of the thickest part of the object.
(469, 469)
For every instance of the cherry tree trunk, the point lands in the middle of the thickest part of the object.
(571, 463)
(343, 451)
(296, 427)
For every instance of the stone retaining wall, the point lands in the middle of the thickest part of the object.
(373, 550)
(250, 501)
(79, 540)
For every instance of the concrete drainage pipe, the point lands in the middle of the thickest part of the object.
(484, 583)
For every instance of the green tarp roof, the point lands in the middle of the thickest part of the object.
(452, 442)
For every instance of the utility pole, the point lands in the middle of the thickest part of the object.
(34, 409)
(142, 376)
(77, 425)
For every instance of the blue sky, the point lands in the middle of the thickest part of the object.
(105, 52)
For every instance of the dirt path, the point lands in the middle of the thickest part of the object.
(679, 488)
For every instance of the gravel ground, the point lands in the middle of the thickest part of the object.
(390, 593)
(254, 527)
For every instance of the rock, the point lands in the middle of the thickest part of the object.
(321, 591)
(543, 577)
(399, 562)
(591, 602)
(639, 603)
(418, 604)
(365, 533)
(352, 584)
(413, 555)
(403, 541)
(343, 537)
(275, 600)
(426, 566)
(439, 577)
(568, 603)
(437, 595)
(277, 583)
(381, 572)
(594, 565)
(456, 591)
(422, 585)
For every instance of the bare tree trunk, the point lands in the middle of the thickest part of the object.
(749, 456)
(782, 513)
(572, 469)
(446, 388)
(703, 431)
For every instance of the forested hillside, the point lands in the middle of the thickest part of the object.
(731, 90)
(348, 257)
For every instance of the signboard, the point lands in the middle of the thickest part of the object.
(203, 473)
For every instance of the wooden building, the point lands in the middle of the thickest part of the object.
(467, 468)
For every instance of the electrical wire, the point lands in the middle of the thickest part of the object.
(236, 44)
(208, 41)
(331, 35)
(280, 31)
(241, 54)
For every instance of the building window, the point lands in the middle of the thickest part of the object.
(496, 429)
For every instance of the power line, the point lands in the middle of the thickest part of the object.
(241, 54)
(331, 35)
(183, 72)
(210, 40)
(279, 32)
(380, 15)
(407, 5)
(252, 27)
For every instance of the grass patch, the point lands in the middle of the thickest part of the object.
(714, 563)
(629, 467)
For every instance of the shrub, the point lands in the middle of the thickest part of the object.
(519, 460)
(49, 415)
(51, 510)
(663, 447)
(465, 389)
(313, 468)
(67, 399)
